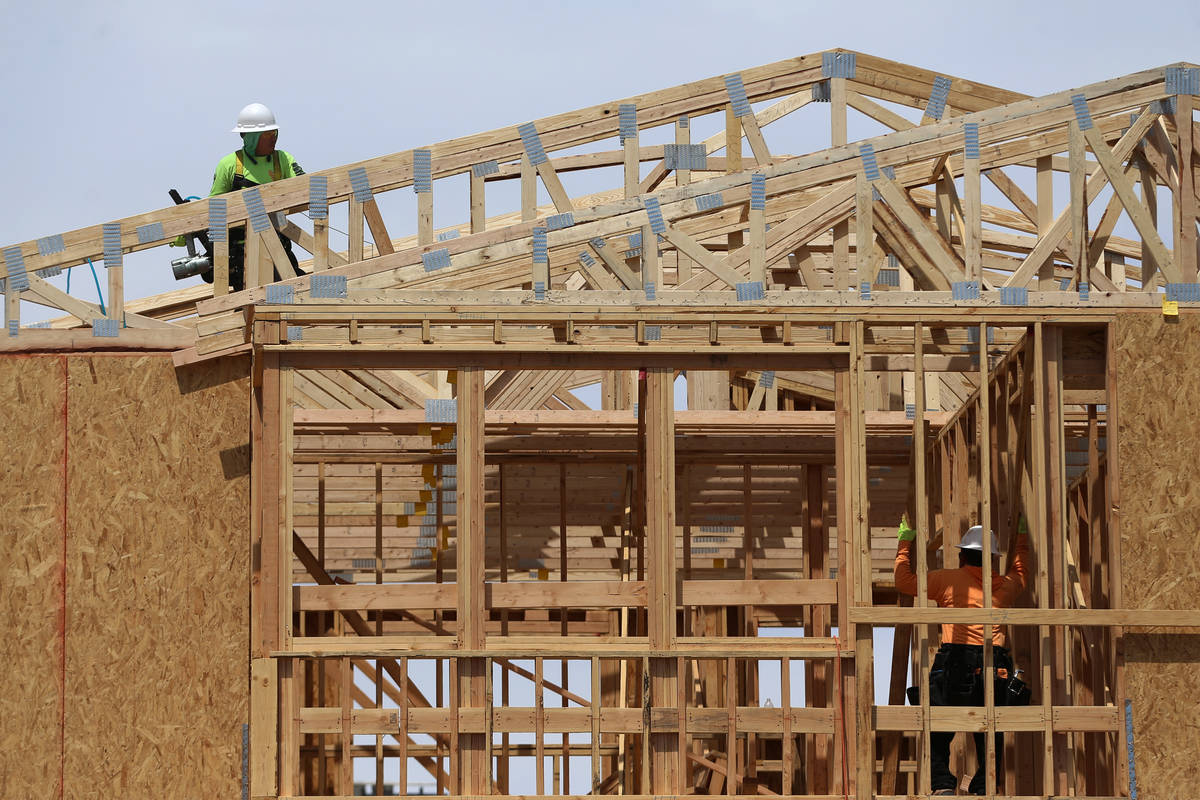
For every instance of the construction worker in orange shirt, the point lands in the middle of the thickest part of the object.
(956, 678)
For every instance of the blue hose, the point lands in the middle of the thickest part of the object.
(96, 279)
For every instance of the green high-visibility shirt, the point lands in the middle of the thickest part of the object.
(256, 170)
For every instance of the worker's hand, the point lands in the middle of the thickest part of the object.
(906, 533)
(179, 241)
(1022, 526)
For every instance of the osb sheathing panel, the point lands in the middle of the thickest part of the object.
(32, 435)
(1158, 383)
(157, 615)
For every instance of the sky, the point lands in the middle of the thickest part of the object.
(109, 105)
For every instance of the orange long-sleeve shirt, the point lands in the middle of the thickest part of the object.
(963, 588)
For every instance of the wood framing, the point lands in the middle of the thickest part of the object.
(601, 497)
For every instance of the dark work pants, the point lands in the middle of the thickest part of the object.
(954, 685)
(939, 761)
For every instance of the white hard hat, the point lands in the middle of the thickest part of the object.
(255, 118)
(974, 540)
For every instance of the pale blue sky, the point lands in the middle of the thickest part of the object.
(108, 105)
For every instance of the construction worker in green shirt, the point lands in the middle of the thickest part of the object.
(256, 163)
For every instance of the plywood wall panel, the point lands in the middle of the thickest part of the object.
(157, 606)
(1158, 379)
(32, 436)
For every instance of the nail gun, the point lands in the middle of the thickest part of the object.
(193, 263)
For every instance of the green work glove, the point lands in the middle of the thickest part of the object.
(1022, 526)
(905, 534)
(179, 241)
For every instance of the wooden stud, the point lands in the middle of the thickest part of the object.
(478, 203)
(864, 228)
(683, 136)
(921, 546)
(356, 230)
(320, 251)
(972, 213)
(12, 309)
(264, 698)
(528, 190)
(425, 235)
(842, 277)
(1185, 235)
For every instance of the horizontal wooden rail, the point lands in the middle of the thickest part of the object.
(567, 720)
(572, 594)
(1139, 618)
(563, 647)
(1017, 718)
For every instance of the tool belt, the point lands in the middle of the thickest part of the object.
(956, 678)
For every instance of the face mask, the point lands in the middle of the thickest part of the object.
(250, 142)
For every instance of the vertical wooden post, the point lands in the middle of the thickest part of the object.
(816, 673)
(651, 262)
(528, 189)
(1079, 212)
(758, 246)
(659, 477)
(252, 258)
(320, 243)
(266, 511)
(1112, 453)
(378, 619)
(860, 550)
(289, 726)
(921, 545)
(597, 702)
(564, 619)
(116, 292)
(842, 276)
(972, 207)
(478, 203)
(345, 695)
(221, 265)
(471, 676)
(1056, 500)
(356, 232)
(402, 739)
(1185, 235)
(683, 136)
(733, 163)
(864, 230)
(844, 773)
(539, 728)
(630, 144)
(1045, 216)
(12, 307)
(1149, 182)
(985, 519)
(264, 699)
(286, 494)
